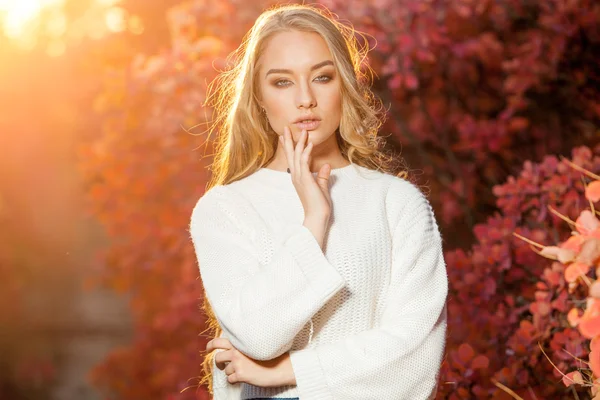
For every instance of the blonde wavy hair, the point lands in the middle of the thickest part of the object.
(245, 140)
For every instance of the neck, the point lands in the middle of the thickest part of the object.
(327, 152)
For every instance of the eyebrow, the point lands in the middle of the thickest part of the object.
(287, 71)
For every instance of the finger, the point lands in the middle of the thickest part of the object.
(299, 149)
(223, 358)
(323, 174)
(232, 378)
(219, 343)
(288, 147)
(229, 369)
(306, 155)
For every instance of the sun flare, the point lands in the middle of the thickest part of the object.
(25, 22)
(18, 16)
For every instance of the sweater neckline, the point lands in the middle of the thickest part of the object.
(283, 177)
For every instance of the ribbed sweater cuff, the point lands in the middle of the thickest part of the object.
(310, 380)
(322, 276)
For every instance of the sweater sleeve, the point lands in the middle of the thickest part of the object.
(400, 358)
(261, 306)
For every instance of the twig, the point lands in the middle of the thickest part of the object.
(507, 390)
(580, 169)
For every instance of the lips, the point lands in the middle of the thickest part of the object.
(308, 122)
(309, 125)
(308, 118)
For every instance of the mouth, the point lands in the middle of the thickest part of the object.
(308, 124)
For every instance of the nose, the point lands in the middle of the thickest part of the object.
(306, 97)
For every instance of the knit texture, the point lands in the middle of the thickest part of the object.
(362, 318)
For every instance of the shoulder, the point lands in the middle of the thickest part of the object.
(407, 204)
(212, 199)
(402, 193)
(217, 203)
(223, 206)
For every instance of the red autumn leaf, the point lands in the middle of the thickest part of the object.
(552, 277)
(411, 81)
(518, 124)
(480, 362)
(465, 353)
(561, 302)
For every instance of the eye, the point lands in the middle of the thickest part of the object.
(278, 83)
(327, 78)
(322, 78)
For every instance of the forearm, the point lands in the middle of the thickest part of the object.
(281, 372)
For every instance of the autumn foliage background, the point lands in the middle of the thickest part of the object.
(495, 106)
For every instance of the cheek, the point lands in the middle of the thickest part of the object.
(277, 103)
(331, 102)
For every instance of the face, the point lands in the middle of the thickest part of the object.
(298, 80)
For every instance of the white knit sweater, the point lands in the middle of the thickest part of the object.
(362, 318)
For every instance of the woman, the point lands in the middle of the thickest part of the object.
(323, 272)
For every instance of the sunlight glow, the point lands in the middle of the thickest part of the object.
(116, 19)
(19, 16)
(30, 23)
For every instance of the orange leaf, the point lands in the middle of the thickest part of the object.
(595, 362)
(573, 243)
(590, 251)
(594, 290)
(573, 317)
(587, 222)
(571, 378)
(575, 270)
(592, 191)
(595, 343)
(589, 324)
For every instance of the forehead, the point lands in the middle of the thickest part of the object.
(294, 50)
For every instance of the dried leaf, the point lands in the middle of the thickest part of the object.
(557, 253)
(587, 222)
(590, 251)
(575, 270)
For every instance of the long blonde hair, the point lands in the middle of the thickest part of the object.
(245, 141)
